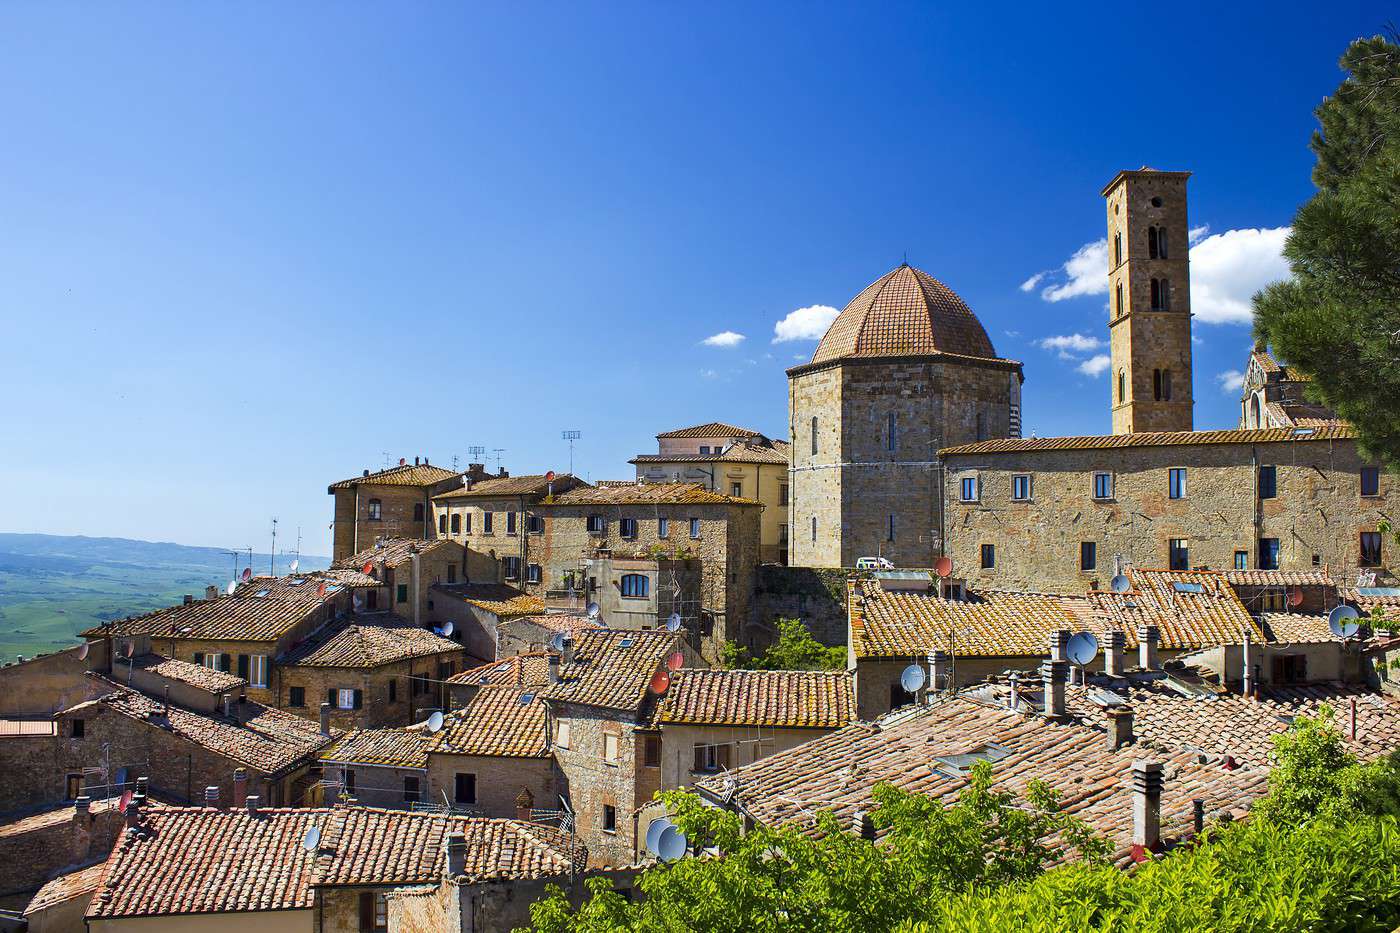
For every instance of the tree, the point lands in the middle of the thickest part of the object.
(795, 650)
(1338, 319)
(1315, 778)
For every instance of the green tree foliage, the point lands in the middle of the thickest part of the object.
(1318, 857)
(795, 650)
(1338, 318)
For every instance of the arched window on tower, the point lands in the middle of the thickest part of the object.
(1161, 242)
(891, 433)
(1253, 421)
(1151, 242)
(1122, 387)
(1119, 297)
(814, 435)
(1161, 295)
(1118, 247)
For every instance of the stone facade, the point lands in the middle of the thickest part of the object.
(1317, 515)
(399, 693)
(45, 845)
(499, 779)
(593, 783)
(1149, 287)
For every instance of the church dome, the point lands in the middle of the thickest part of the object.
(906, 312)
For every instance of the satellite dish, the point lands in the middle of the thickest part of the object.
(675, 661)
(83, 651)
(295, 565)
(368, 568)
(435, 721)
(1082, 648)
(670, 844)
(312, 840)
(912, 679)
(1339, 620)
(673, 624)
(247, 574)
(1120, 584)
(660, 681)
(654, 832)
(232, 585)
(943, 566)
(359, 601)
(549, 477)
(448, 629)
(557, 642)
(1295, 597)
(321, 590)
(593, 610)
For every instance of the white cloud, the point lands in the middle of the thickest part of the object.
(725, 338)
(1228, 268)
(1070, 345)
(1086, 273)
(1196, 234)
(709, 374)
(808, 323)
(1030, 283)
(1231, 381)
(1095, 365)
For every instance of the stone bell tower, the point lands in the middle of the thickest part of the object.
(1149, 302)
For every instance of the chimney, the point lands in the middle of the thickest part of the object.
(1013, 700)
(568, 650)
(211, 795)
(133, 814)
(366, 472)
(1198, 815)
(1146, 783)
(1113, 654)
(211, 592)
(82, 829)
(141, 784)
(554, 668)
(1147, 647)
(240, 786)
(189, 599)
(863, 825)
(1120, 727)
(325, 719)
(1059, 642)
(415, 461)
(228, 706)
(525, 805)
(1054, 674)
(166, 711)
(456, 854)
(252, 804)
(938, 671)
(1247, 684)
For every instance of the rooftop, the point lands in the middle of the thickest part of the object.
(263, 609)
(405, 474)
(81, 883)
(364, 641)
(397, 748)
(612, 668)
(499, 599)
(712, 429)
(1151, 439)
(521, 670)
(990, 623)
(498, 721)
(534, 485)
(196, 675)
(1191, 609)
(788, 699)
(779, 453)
(648, 494)
(392, 553)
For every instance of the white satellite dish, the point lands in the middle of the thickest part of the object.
(312, 840)
(83, 651)
(1120, 583)
(593, 610)
(359, 601)
(232, 585)
(295, 565)
(131, 647)
(671, 844)
(1082, 648)
(448, 629)
(654, 831)
(435, 721)
(912, 679)
(557, 642)
(673, 624)
(1339, 620)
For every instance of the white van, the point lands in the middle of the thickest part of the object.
(874, 563)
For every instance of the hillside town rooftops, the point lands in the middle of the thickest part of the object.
(533, 485)
(364, 641)
(1316, 577)
(521, 670)
(1190, 609)
(499, 599)
(405, 474)
(612, 668)
(499, 721)
(1010, 445)
(196, 675)
(397, 748)
(227, 618)
(566, 622)
(82, 883)
(1296, 628)
(392, 553)
(634, 493)
(989, 623)
(787, 699)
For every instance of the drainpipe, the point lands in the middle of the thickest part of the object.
(1248, 676)
(355, 524)
(416, 601)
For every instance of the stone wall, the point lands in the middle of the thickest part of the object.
(48, 683)
(1317, 515)
(816, 596)
(590, 782)
(746, 745)
(45, 845)
(355, 531)
(815, 489)
(377, 711)
(499, 780)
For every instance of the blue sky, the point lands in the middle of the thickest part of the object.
(249, 249)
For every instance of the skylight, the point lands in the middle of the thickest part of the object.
(1188, 587)
(961, 765)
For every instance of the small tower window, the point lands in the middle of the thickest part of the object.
(1161, 242)
(1119, 299)
(1156, 385)
(1117, 247)
(1122, 387)
(814, 529)
(891, 437)
(1161, 295)
(814, 435)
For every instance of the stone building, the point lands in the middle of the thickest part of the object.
(904, 370)
(1065, 514)
(723, 458)
(495, 751)
(377, 768)
(391, 503)
(477, 610)
(497, 518)
(1149, 309)
(1275, 396)
(406, 570)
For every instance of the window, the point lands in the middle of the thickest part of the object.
(1122, 387)
(695, 527)
(536, 526)
(1370, 548)
(393, 689)
(1161, 295)
(1118, 298)
(79, 728)
(375, 510)
(609, 818)
(257, 670)
(651, 751)
(989, 556)
(814, 529)
(74, 783)
(889, 532)
(711, 758)
(814, 435)
(1241, 560)
(1275, 600)
(442, 524)
(417, 511)
(296, 696)
(704, 450)
(1268, 553)
(199, 657)
(217, 662)
(512, 567)
(611, 743)
(243, 666)
(487, 518)
(736, 490)
(1268, 482)
(635, 585)
(1117, 247)
(1103, 485)
(597, 525)
(1162, 385)
(663, 527)
(401, 593)
(451, 573)
(1156, 243)
(899, 696)
(782, 494)
(456, 523)
(411, 791)
(1176, 483)
(346, 698)
(1290, 668)
(1088, 555)
(1021, 487)
(372, 598)
(891, 435)
(532, 573)
(464, 788)
(467, 522)
(1178, 554)
(1370, 481)
(561, 733)
(510, 523)
(348, 777)
(969, 489)
(627, 527)
(374, 912)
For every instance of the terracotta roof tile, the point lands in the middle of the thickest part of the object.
(612, 669)
(779, 453)
(1296, 628)
(1148, 439)
(244, 616)
(990, 623)
(712, 429)
(521, 670)
(535, 485)
(793, 699)
(364, 641)
(406, 475)
(398, 748)
(550, 621)
(1277, 577)
(498, 599)
(393, 552)
(82, 883)
(196, 675)
(648, 494)
(499, 721)
(1191, 609)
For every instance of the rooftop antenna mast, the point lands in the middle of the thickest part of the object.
(454, 464)
(571, 436)
(497, 451)
(272, 557)
(476, 453)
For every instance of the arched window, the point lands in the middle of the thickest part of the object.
(1161, 295)
(1253, 421)
(1151, 242)
(1122, 387)
(1156, 385)
(1117, 247)
(457, 523)
(1166, 385)
(1119, 297)
(1161, 242)
(417, 511)
(375, 510)
(891, 438)
(635, 584)
(814, 435)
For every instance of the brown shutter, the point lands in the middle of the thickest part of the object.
(366, 911)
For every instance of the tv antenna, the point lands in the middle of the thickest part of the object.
(477, 452)
(571, 436)
(496, 452)
(454, 464)
(272, 557)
